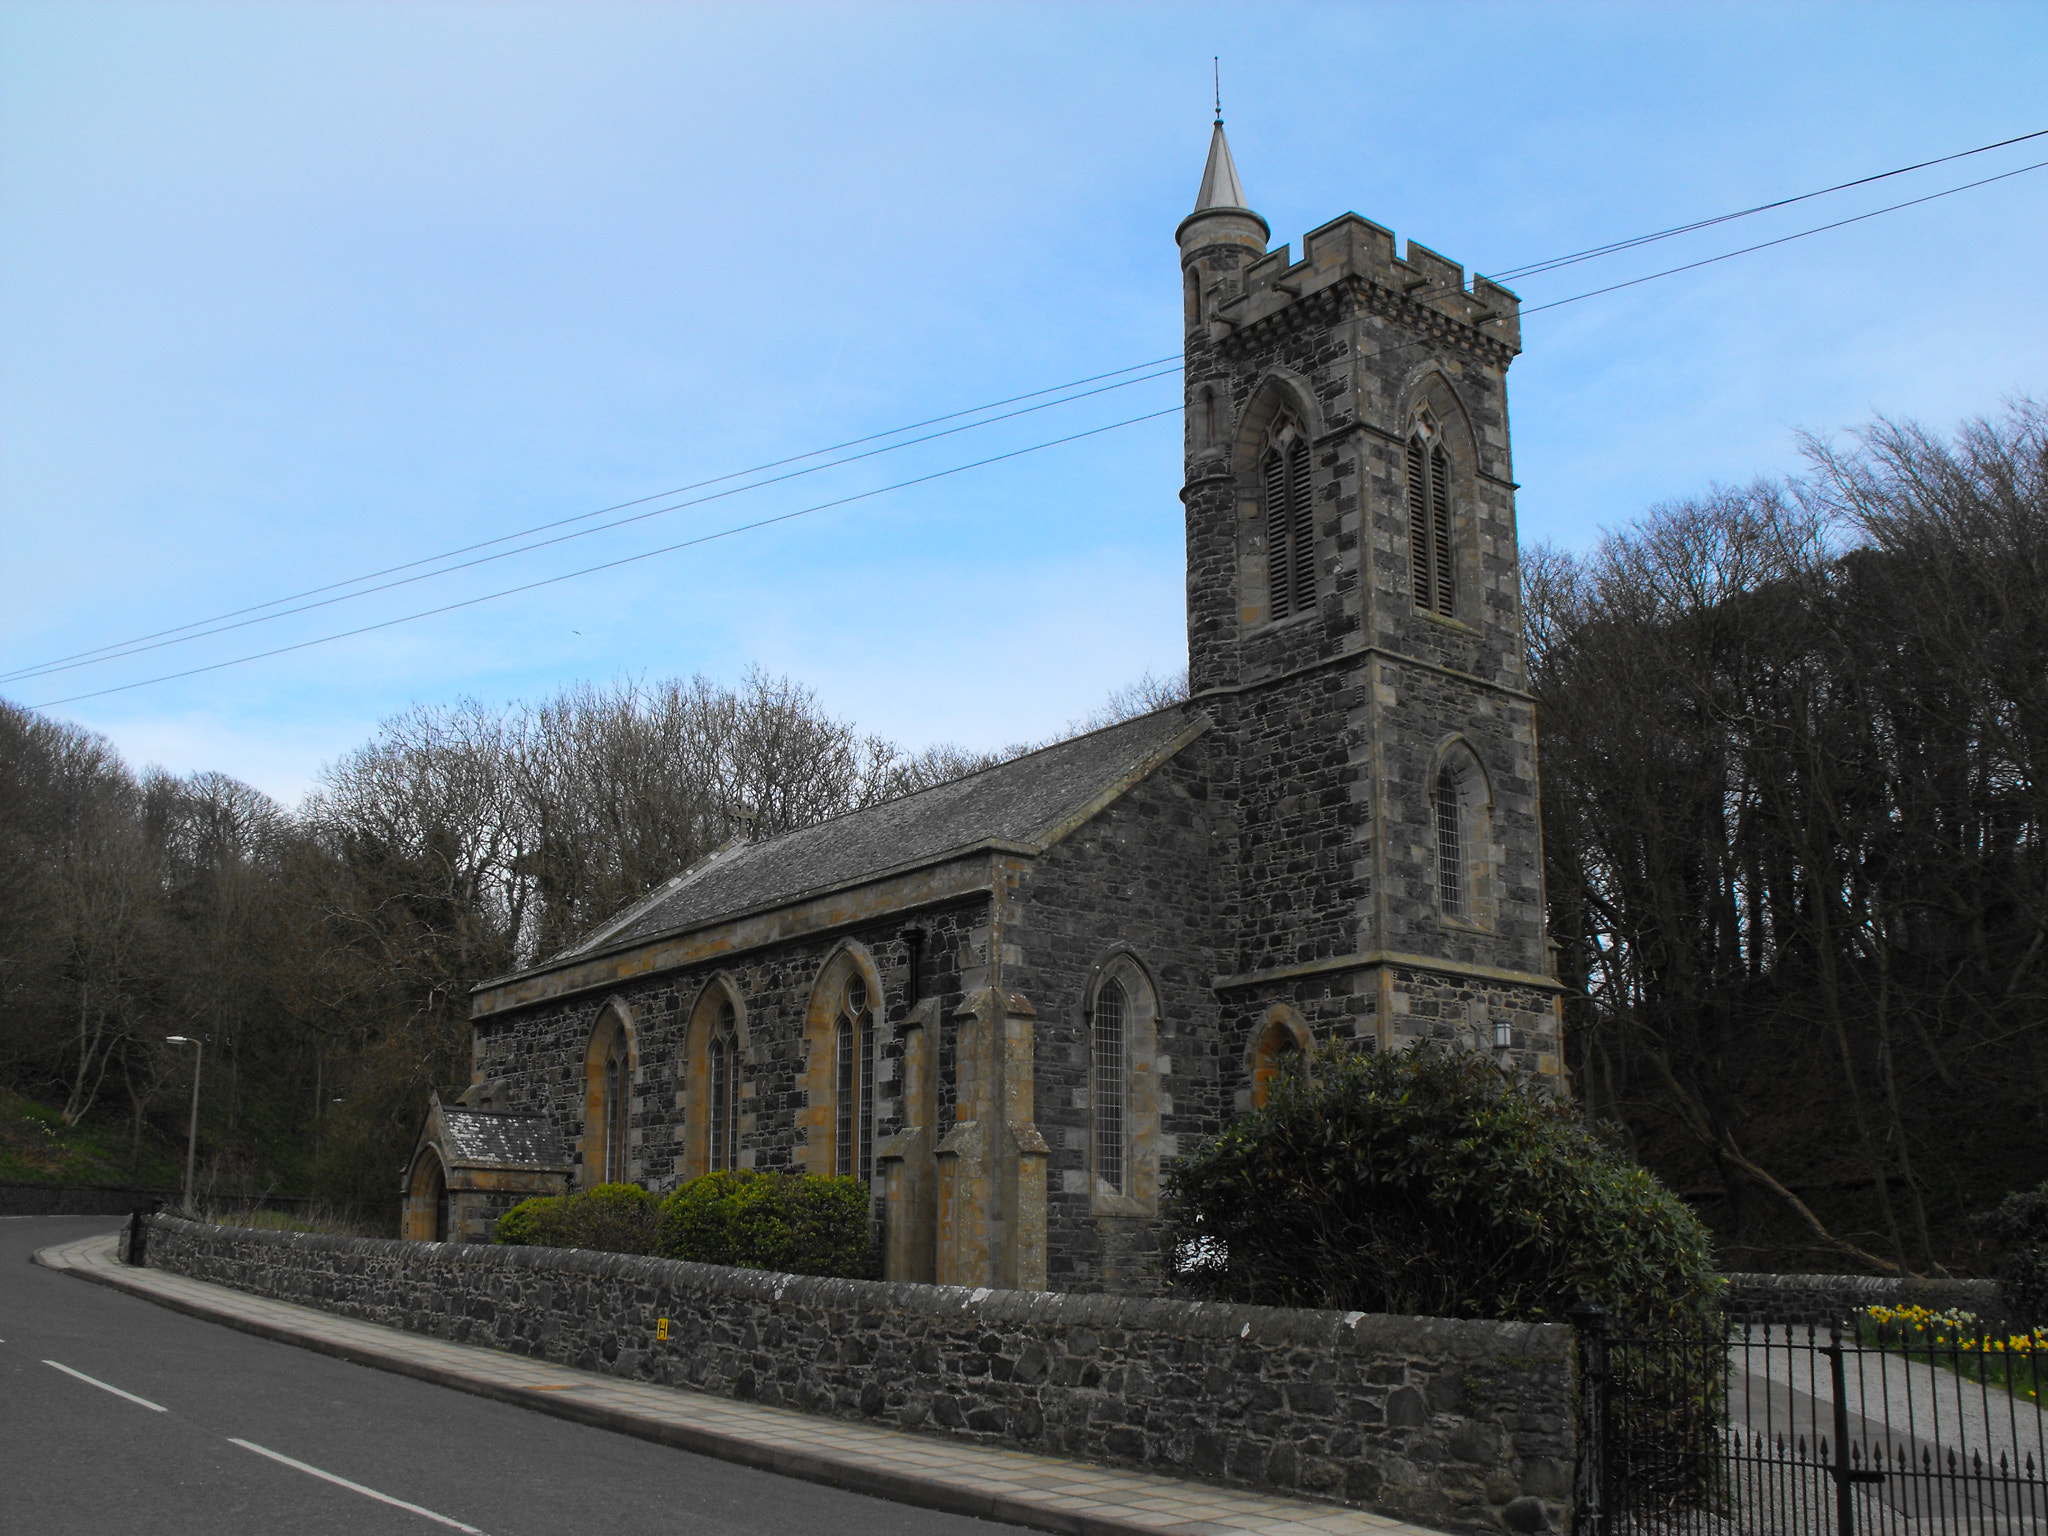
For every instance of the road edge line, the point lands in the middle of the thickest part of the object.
(806, 1466)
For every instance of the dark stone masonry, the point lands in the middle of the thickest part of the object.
(1436, 1421)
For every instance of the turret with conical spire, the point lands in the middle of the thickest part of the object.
(1220, 186)
(1220, 209)
(1217, 242)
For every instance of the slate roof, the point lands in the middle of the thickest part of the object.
(471, 1137)
(1029, 800)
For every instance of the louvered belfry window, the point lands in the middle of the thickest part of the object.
(854, 1101)
(1290, 524)
(725, 1091)
(1111, 1085)
(1429, 521)
(1450, 846)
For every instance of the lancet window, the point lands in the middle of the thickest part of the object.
(1110, 1090)
(1290, 523)
(725, 1090)
(1429, 519)
(1450, 844)
(854, 1096)
(608, 1101)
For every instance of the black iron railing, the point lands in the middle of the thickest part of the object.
(1775, 1431)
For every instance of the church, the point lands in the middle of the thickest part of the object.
(1007, 1003)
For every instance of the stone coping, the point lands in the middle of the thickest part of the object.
(1304, 1328)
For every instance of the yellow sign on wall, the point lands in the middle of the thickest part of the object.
(661, 1329)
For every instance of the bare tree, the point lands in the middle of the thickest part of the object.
(1792, 814)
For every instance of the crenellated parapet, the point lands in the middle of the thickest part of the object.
(1349, 266)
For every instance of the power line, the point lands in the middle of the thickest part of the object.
(1782, 240)
(1592, 252)
(139, 643)
(591, 570)
(666, 549)
(865, 495)
(122, 649)
(852, 442)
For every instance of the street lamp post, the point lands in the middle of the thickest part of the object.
(191, 1136)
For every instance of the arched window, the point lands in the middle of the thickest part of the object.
(1290, 523)
(618, 1087)
(725, 1090)
(608, 1100)
(1279, 1047)
(854, 1097)
(1429, 518)
(1110, 1089)
(1450, 844)
(714, 1081)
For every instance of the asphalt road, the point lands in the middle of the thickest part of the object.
(205, 1449)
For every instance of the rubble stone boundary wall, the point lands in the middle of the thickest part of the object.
(1461, 1425)
(1821, 1301)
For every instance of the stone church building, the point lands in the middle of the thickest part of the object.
(1007, 1003)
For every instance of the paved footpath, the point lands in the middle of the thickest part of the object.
(1047, 1493)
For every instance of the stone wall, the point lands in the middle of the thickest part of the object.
(1821, 1301)
(1460, 1425)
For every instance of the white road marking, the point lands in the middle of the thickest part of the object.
(342, 1482)
(95, 1381)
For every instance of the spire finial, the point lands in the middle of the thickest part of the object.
(1216, 64)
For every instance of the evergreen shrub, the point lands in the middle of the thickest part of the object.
(1436, 1183)
(793, 1223)
(612, 1218)
(2020, 1224)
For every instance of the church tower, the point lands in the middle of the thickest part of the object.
(1355, 630)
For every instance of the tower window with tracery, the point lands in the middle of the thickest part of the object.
(1290, 523)
(1429, 519)
(1450, 845)
(854, 1099)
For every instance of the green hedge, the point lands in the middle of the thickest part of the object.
(612, 1218)
(794, 1223)
(1429, 1182)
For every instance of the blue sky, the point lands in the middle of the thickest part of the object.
(293, 292)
